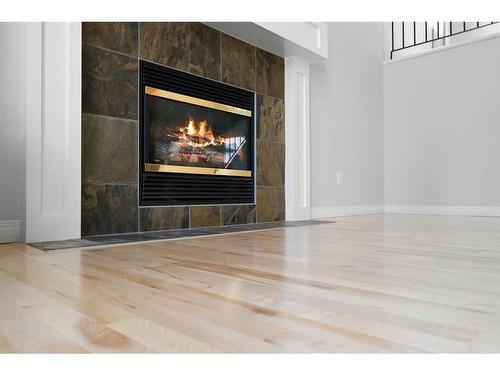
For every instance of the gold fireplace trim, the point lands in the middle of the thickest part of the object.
(196, 101)
(195, 170)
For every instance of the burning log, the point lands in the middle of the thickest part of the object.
(195, 134)
(182, 152)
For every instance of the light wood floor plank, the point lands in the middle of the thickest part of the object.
(372, 283)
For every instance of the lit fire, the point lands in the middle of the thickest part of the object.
(197, 134)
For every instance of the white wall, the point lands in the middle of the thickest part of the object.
(442, 131)
(11, 128)
(347, 121)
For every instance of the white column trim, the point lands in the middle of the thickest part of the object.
(53, 131)
(297, 139)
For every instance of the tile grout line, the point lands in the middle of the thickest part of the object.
(220, 54)
(138, 128)
(189, 48)
(110, 117)
(188, 70)
(255, 65)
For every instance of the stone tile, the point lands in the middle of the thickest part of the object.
(166, 43)
(116, 36)
(109, 149)
(100, 240)
(270, 164)
(238, 62)
(270, 119)
(265, 204)
(123, 238)
(244, 214)
(181, 233)
(279, 203)
(270, 204)
(109, 208)
(270, 74)
(162, 218)
(63, 244)
(109, 83)
(204, 216)
(204, 51)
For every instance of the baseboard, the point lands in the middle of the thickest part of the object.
(444, 210)
(10, 231)
(324, 212)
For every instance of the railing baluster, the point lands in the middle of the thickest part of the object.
(392, 31)
(433, 36)
(403, 25)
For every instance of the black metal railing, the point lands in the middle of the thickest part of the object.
(439, 31)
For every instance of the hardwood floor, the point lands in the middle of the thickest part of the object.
(373, 283)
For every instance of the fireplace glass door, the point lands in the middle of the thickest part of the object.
(185, 134)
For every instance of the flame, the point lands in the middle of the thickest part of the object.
(198, 134)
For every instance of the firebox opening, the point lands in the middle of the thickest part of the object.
(203, 136)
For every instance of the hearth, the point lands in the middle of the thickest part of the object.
(197, 139)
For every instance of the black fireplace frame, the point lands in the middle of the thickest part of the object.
(173, 189)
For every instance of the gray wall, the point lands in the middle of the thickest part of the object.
(347, 118)
(442, 128)
(11, 128)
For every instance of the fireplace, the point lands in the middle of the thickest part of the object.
(188, 135)
(197, 139)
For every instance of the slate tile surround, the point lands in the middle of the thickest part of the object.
(270, 203)
(110, 120)
(109, 208)
(270, 74)
(234, 214)
(270, 119)
(165, 43)
(270, 163)
(238, 62)
(115, 36)
(163, 218)
(109, 149)
(109, 83)
(204, 216)
(205, 53)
